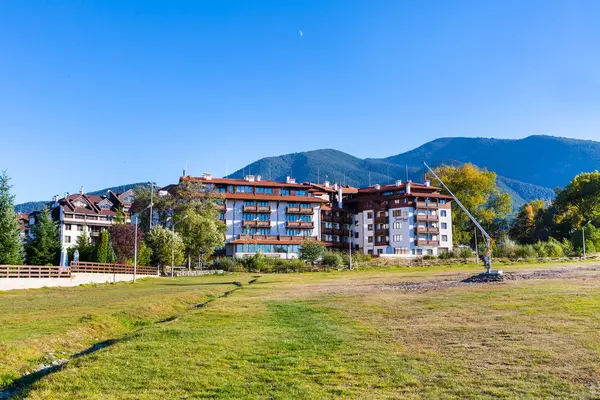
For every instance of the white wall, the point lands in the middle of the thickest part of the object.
(75, 280)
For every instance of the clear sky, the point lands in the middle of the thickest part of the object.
(109, 92)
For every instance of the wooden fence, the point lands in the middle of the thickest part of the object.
(101, 268)
(33, 271)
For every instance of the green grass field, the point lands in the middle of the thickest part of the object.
(321, 335)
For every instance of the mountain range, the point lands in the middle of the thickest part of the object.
(527, 169)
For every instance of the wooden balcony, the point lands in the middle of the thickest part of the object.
(381, 220)
(249, 208)
(424, 242)
(221, 207)
(427, 218)
(299, 210)
(263, 209)
(427, 229)
(381, 232)
(300, 225)
(342, 219)
(327, 231)
(257, 224)
(426, 205)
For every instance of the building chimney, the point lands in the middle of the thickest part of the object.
(81, 190)
(377, 186)
(326, 184)
(289, 179)
(335, 186)
(399, 182)
(427, 182)
(408, 187)
(249, 178)
(258, 178)
(207, 176)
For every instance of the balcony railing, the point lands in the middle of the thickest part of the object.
(426, 217)
(287, 238)
(424, 242)
(299, 210)
(300, 225)
(263, 209)
(257, 224)
(426, 205)
(221, 207)
(427, 229)
(249, 208)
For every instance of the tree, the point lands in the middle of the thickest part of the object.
(44, 248)
(120, 216)
(144, 255)
(11, 245)
(161, 242)
(526, 226)
(311, 251)
(579, 201)
(103, 248)
(477, 191)
(121, 239)
(84, 246)
(201, 232)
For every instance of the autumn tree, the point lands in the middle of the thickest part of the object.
(477, 190)
(11, 245)
(122, 241)
(527, 225)
(579, 201)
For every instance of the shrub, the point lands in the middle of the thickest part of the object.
(526, 251)
(229, 264)
(505, 248)
(332, 259)
(254, 263)
(463, 252)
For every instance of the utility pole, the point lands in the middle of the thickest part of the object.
(151, 202)
(476, 249)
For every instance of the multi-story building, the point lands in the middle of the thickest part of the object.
(23, 220)
(78, 213)
(404, 219)
(274, 218)
(270, 217)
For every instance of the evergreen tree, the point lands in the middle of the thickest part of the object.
(11, 246)
(44, 248)
(103, 248)
(84, 246)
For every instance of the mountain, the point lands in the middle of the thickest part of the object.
(545, 161)
(32, 206)
(527, 168)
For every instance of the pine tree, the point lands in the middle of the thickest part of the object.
(84, 246)
(11, 246)
(103, 248)
(44, 248)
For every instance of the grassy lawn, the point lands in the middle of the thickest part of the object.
(39, 325)
(352, 335)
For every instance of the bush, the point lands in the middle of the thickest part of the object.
(254, 263)
(463, 252)
(332, 259)
(526, 251)
(229, 264)
(505, 248)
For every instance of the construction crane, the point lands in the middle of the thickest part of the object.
(487, 256)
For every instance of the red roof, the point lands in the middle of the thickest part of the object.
(244, 182)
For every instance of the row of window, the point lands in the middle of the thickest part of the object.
(267, 248)
(296, 218)
(261, 190)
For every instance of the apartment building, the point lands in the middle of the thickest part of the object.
(274, 218)
(79, 213)
(265, 216)
(403, 219)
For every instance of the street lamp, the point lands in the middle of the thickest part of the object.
(173, 223)
(583, 235)
(135, 240)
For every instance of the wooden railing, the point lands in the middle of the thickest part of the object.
(102, 268)
(33, 271)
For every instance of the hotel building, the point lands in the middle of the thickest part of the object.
(274, 218)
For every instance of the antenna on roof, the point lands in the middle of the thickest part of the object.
(388, 174)
(406, 172)
(319, 175)
(369, 178)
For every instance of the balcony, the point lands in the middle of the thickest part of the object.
(427, 229)
(426, 205)
(381, 220)
(426, 218)
(221, 207)
(327, 231)
(249, 208)
(263, 209)
(299, 210)
(381, 232)
(258, 237)
(425, 242)
(257, 224)
(343, 219)
(300, 225)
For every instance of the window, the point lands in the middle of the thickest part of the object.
(221, 189)
(444, 225)
(370, 215)
(67, 227)
(284, 192)
(397, 238)
(305, 218)
(443, 213)
(105, 206)
(264, 217)
(356, 235)
(430, 251)
(67, 239)
(262, 231)
(80, 228)
(243, 189)
(370, 227)
(305, 205)
(264, 190)
(397, 213)
(388, 193)
(249, 202)
(221, 216)
(370, 239)
(379, 251)
(370, 252)
(249, 217)
(300, 192)
(442, 201)
(397, 225)
(444, 238)
(292, 218)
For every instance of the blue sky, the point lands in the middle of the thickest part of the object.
(103, 93)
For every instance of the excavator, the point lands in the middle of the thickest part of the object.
(486, 257)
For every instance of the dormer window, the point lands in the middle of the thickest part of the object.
(80, 204)
(104, 206)
(129, 199)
